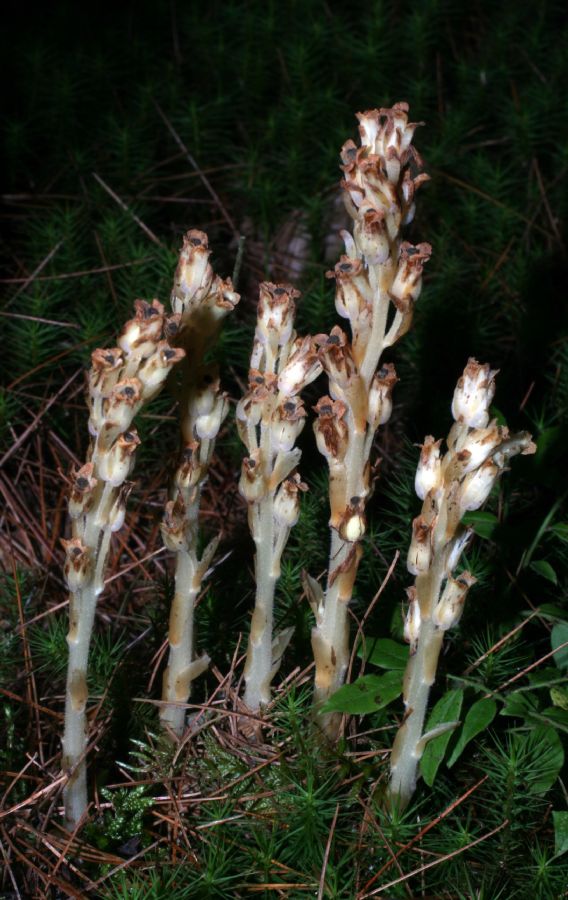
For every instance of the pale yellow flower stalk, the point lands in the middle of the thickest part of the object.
(377, 284)
(200, 301)
(121, 381)
(450, 485)
(270, 417)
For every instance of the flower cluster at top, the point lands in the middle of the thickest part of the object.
(121, 380)
(451, 485)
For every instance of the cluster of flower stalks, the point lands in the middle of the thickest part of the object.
(451, 485)
(377, 283)
(121, 381)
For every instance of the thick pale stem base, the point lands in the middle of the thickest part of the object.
(182, 669)
(259, 666)
(330, 637)
(418, 679)
(82, 615)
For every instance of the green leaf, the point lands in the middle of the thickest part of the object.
(520, 704)
(478, 717)
(546, 611)
(544, 750)
(560, 530)
(384, 653)
(556, 717)
(560, 820)
(559, 697)
(559, 636)
(546, 677)
(483, 523)
(447, 709)
(367, 694)
(542, 567)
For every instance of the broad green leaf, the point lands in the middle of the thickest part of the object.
(559, 636)
(560, 820)
(520, 704)
(483, 523)
(447, 709)
(478, 717)
(559, 697)
(545, 758)
(556, 717)
(384, 653)
(542, 567)
(366, 694)
(546, 677)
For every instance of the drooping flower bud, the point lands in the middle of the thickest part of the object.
(249, 412)
(420, 550)
(117, 511)
(207, 426)
(141, 334)
(78, 564)
(429, 471)
(252, 483)
(173, 525)
(287, 423)
(352, 287)
(287, 501)
(336, 357)
(194, 276)
(449, 608)
(370, 131)
(115, 464)
(477, 486)
(473, 394)
(407, 283)
(82, 491)
(331, 429)
(123, 404)
(353, 523)
(371, 235)
(105, 371)
(302, 367)
(156, 367)
(479, 444)
(190, 470)
(380, 396)
(276, 310)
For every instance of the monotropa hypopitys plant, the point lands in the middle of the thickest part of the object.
(200, 302)
(270, 418)
(121, 382)
(378, 281)
(450, 485)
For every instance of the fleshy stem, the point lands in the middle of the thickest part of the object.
(450, 486)
(270, 417)
(377, 283)
(121, 381)
(200, 301)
